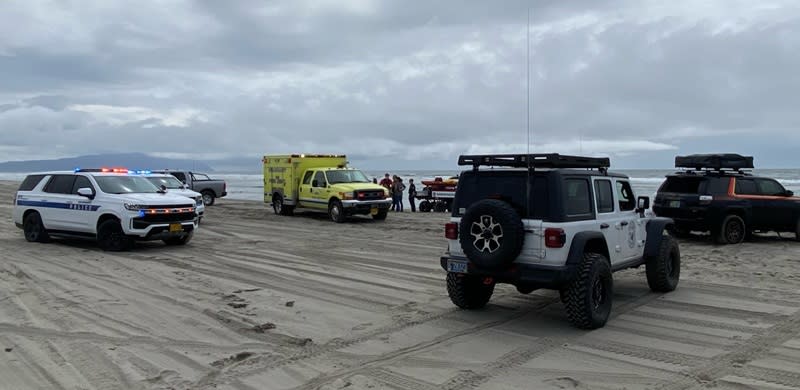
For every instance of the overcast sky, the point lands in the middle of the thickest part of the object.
(401, 83)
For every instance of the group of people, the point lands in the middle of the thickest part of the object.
(396, 187)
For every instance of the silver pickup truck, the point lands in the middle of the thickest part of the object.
(211, 189)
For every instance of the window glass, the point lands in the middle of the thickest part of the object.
(125, 184)
(508, 186)
(81, 182)
(60, 184)
(626, 200)
(307, 177)
(604, 195)
(770, 187)
(180, 175)
(171, 182)
(199, 176)
(320, 179)
(30, 182)
(746, 187)
(346, 176)
(578, 201)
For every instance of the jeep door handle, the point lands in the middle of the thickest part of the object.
(623, 223)
(603, 226)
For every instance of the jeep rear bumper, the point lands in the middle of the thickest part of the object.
(520, 274)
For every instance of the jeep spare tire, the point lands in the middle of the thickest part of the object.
(491, 233)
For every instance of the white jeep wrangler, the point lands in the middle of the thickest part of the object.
(557, 222)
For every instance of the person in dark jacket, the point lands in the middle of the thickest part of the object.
(397, 194)
(412, 194)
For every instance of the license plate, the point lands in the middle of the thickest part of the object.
(175, 228)
(675, 203)
(457, 266)
(373, 211)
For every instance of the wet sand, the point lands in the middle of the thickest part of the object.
(259, 301)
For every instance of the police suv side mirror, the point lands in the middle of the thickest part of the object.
(642, 204)
(86, 191)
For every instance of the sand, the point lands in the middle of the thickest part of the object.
(259, 301)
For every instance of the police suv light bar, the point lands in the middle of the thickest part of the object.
(548, 160)
(114, 170)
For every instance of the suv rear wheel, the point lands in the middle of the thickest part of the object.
(34, 228)
(491, 233)
(732, 231)
(664, 270)
(469, 291)
(588, 298)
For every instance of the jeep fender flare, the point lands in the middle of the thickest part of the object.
(594, 241)
(655, 231)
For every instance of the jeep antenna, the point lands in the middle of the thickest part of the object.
(528, 114)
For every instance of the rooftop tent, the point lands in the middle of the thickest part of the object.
(717, 161)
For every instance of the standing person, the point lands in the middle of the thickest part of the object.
(397, 189)
(386, 182)
(412, 194)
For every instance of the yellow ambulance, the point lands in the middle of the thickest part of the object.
(321, 182)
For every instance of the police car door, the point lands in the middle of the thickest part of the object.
(83, 208)
(607, 219)
(54, 206)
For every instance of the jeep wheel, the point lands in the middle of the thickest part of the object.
(34, 228)
(208, 198)
(664, 270)
(381, 215)
(336, 212)
(588, 298)
(491, 233)
(732, 231)
(468, 291)
(110, 237)
(179, 240)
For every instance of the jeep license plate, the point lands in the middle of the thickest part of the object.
(675, 204)
(175, 228)
(457, 266)
(373, 211)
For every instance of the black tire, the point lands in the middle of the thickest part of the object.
(34, 230)
(491, 234)
(797, 231)
(664, 270)
(680, 232)
(732, 231)
(588, 298)
(468, 291)
(381, 215)
(208, 197)
(424, 206)
(439, 207)
(182, 240)
(279, 207)
(110, 237)
(336, 211)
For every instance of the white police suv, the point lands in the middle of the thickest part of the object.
(173, 185)
(112, 205)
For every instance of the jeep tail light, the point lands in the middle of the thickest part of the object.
(706, 199)
(451, 231)
(554, 237)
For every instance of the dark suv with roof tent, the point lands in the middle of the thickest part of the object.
(715, 193)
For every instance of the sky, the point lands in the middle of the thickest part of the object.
(396, 83)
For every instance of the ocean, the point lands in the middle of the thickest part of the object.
(249, 186)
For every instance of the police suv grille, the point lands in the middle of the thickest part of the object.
(149, 219)
(370, 195)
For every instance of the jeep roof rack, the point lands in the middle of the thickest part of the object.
(715, 161)
(540, 160)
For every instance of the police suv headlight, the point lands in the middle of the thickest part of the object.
(133, 206)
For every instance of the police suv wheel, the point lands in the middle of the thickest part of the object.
(664, 270)
(732, 231)
(34, 228)
(587, 299)
(110, 237)
(491, 233)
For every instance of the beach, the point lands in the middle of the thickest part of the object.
(260, 301)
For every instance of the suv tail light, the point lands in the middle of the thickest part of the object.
(554, 237)
(451, 231)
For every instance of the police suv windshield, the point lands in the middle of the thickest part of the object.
(126, 185)
(170, 182)
(346, 176)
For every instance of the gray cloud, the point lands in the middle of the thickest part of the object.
(384, 81)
